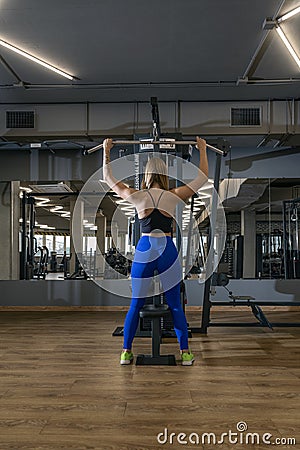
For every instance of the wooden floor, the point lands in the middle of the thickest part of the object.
(61, 385)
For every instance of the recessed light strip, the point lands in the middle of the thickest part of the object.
(289, 14)
(36, 60)
(288, 45)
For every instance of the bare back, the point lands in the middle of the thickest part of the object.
(165, 201)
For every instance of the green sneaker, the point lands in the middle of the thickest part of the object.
(187, 359)
(126, 358)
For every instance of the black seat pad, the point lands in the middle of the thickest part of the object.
(152, 311)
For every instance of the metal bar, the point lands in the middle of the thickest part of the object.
(258, 55)
(201, 249)
(188, 250)
(31, 230)
(155, 334)
(136, 142)
(179, 208)
(253, 302)
(285, 240)
(10, 69)
(262, 47)
(251, 324)
(55, 194)
(155, 118)
(205, 320)
(24, 249)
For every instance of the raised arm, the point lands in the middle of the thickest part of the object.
(117, 186)
(188, 190)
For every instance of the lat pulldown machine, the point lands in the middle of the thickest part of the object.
(161, 143)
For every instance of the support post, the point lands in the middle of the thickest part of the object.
(24, 238)
(100, 236)
(76, 229)
(248, 230)
(285, 241)
(155, 334)
(9, 224)
(210, 242)
(179, 207)
(188, 250)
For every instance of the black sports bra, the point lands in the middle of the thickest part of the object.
(156, 220)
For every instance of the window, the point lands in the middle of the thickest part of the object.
(60, 244)
(39, 240)
(67, 244)
(49, 242)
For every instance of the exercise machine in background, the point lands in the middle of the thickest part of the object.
(291, 238)
(221, 279)
(33, 259)
(165, 143)
(40, 264)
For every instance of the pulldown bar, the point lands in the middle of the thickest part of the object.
(164, 142)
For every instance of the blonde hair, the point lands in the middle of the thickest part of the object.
(155, 172)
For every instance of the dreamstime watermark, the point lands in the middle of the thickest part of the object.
(239, 436)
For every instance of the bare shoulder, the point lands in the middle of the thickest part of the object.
(172, 197)
(183, 192)
(136, 196)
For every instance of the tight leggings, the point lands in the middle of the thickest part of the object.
(156, 253)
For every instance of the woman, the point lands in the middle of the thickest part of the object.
(155, 205)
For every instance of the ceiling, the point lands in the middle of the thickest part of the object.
(131, 50)
(126, 51)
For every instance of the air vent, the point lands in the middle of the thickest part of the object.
(51, 188)
(245, 117)
(19, 119)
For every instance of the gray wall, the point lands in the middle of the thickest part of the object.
(71, 165)
(43, 165)
(189, 118)
(87, 293)
(263, 163)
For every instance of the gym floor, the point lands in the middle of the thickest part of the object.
(61, 385)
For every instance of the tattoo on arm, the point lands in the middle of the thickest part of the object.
(107, 158)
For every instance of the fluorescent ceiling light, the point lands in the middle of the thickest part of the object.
(203, 195)
(289, 14)
(41, 201)
(65, 214)
(36, 60)
(127, 208)
(123, 202)
(24, 189)
(46, 227)
(288, 45)
(56, 208)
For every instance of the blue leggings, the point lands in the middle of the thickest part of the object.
(156, 253)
